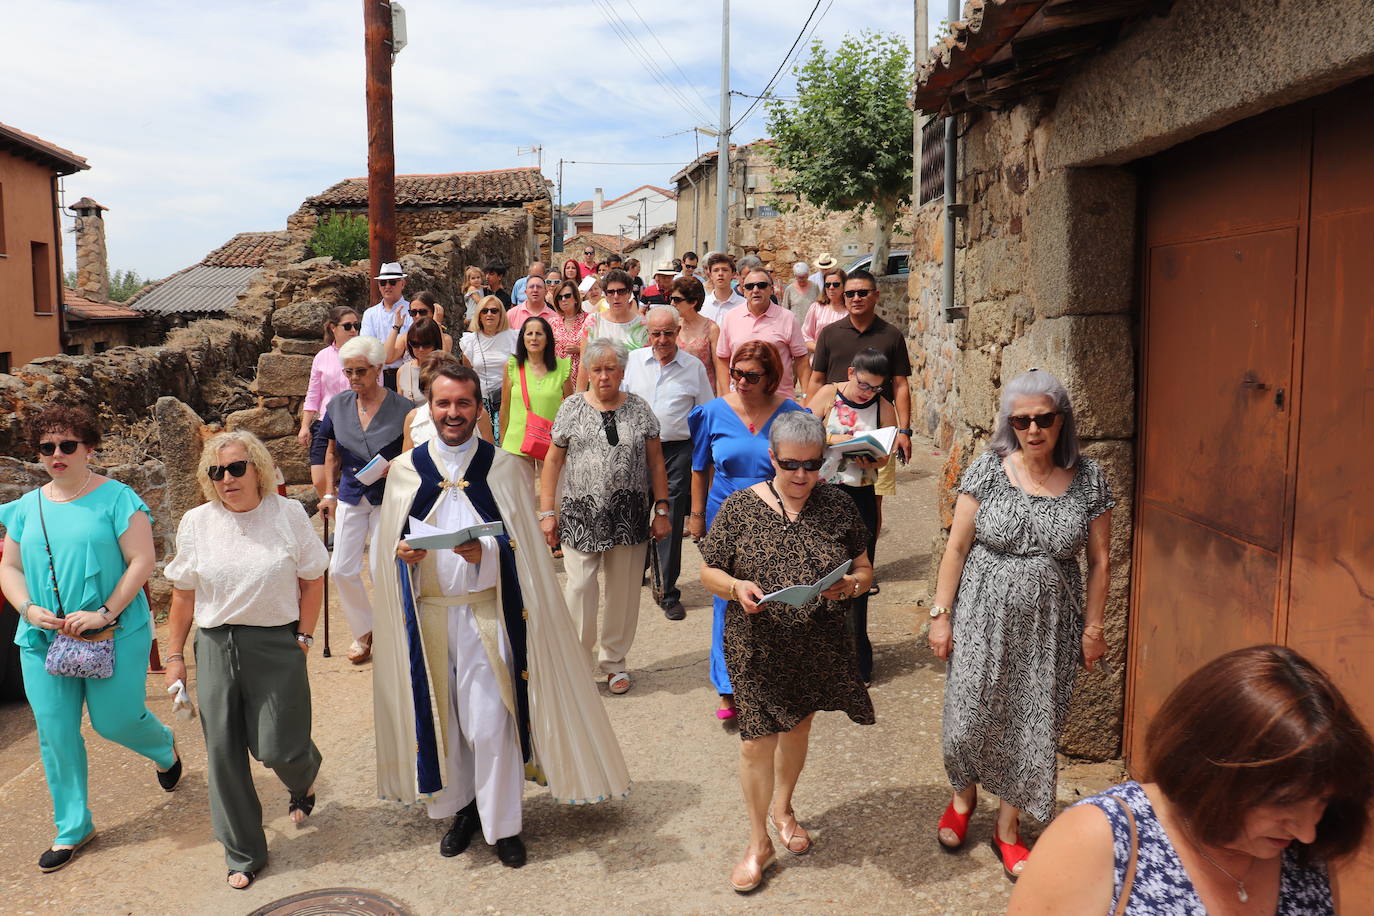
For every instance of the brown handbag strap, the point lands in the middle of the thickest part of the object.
(1124, 899)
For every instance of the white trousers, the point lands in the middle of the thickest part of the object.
(353, 525)
(624, 569)
(484, 760)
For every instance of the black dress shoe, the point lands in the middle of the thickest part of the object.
(511, 851)
(465, 825)
(675, 611)
(169, 777)
(53, 859)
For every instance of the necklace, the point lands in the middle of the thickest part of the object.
(783, 506)
(1241, 893)
(52, 488)
(749, 419)
(1039, 484)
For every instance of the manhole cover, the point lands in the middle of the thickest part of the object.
(333, 901)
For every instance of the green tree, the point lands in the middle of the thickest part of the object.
(845, 144)
(341, 236)
(124, 283)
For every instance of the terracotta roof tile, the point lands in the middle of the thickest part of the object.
(582, 209)
(89, 309)
(62, 161)
(503, 186)
(248, 249)
(671, 195)
(613, 243)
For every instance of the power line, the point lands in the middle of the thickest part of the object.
(654, 35)
(584, 162)
(788, 56)
(633, 45)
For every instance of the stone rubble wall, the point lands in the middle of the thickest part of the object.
(413, 224)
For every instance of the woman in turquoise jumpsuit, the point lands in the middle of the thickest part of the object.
(100, 537)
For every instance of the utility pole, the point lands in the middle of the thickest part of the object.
(560, 228)
(381, 151)
(723, 138)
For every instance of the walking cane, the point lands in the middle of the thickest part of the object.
(328, 545)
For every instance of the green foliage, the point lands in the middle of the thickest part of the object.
(846, 141)
(123, 283)
(341, 236)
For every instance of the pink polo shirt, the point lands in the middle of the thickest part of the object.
(776, 326)
(326, 380)
(518, 315)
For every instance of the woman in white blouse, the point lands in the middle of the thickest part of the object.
(249, 569)
(487, 349)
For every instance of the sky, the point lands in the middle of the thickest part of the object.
(202, 119)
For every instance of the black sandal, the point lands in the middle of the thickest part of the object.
(250, 875)
(169, 777)
(302, 803)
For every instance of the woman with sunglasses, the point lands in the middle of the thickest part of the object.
(365, 422)
(76, 554)
(620, 321)
(1011, 614)
(849, 409)
(607, 441)
(828, 308)
(568, 322)
(423, 338)
(250, 571)
(786, 661)
(326, 372)
(534, 375)
(730, 452)
(696, 334)
(426, 305)
(487, 348)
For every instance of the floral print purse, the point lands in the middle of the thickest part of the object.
(88, 655)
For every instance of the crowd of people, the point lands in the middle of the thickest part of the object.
(590, 417)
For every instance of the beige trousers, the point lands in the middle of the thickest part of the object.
(624, 571)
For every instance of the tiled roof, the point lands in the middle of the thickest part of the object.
(198, 289)
(710, 155)
(582, 209)
(613, 243)
(88, 309)
(26, 145)
(671, 195)
(503, 186)
(248, 249)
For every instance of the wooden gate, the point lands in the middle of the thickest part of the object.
(1255, 502)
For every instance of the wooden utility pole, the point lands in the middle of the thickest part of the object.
(381, 151)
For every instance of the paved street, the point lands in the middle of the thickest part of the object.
(870, 796)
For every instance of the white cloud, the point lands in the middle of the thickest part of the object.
(201, 120)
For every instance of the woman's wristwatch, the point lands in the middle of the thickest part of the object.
(660, 507)
(24, 611)
(547, 513)
(937, 611)
(305, 639)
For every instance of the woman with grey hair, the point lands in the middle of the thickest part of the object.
(608, 440)
(1010, 613)
(787, 659)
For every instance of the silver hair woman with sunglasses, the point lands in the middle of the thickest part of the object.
(787, 660)
(249, 570)
(76, 554)
(1011, 613)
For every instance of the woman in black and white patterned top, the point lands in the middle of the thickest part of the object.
(1011, 614)
(1262, 775)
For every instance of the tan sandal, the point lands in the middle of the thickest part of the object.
(754, 877)
(798, 833)
(361, 650)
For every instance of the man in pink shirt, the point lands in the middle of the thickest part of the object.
(534, 304)
(762, 319)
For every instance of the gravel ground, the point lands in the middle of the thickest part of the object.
(870, 796)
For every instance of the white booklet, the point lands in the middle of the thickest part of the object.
(372, 472)
(424, 536)
(875, 443)
(799, 595)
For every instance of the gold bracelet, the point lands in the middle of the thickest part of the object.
(1095, 626)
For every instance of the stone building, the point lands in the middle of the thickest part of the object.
(1171, 207)
(761, 220)
(31, 245)
(426, 203)
(212, 285)
(91, 323)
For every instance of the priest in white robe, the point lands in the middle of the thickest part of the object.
(479, 680)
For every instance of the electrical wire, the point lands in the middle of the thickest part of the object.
(796, 43)
(633, 45)
(584, 162)
(654, 35)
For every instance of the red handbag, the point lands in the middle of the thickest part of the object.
(538, 431)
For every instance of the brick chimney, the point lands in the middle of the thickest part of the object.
(92, 269)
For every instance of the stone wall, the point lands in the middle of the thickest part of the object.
(413, 223)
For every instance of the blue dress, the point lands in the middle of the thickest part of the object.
(1162, 886)
(738, 459)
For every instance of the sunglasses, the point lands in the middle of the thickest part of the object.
(419, 313)
(387, 282)
(589, 252)
(762, 284)
(867, 388)
(618, 291)
(233, 469)
(489, 312)
(1043, 421)
(670, 332)
(752, 378)
(608, 424)
(858, 293)
(370, 370)
(49, 449)
(833, 285)
(676, 299)
(351, 325)
(791, 464)
(566, 296)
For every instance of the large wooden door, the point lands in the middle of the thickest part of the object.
(1255, 518)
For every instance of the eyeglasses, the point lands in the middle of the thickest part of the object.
(762, 284)
(752, 378)
(566, 296)
(419, 313)
(833, 285)
(48, 449)
(387, 282)
(370, 370)
(608, 425)
(676, 299)
(791, 464)
(351, 325)
(1043, 421)
(618, 291)
(589, 252)
(233, 469)
(670, 332)
(867, 388)
(858, 293)
(489, 312)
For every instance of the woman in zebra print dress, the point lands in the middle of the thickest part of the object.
(1010, 613)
